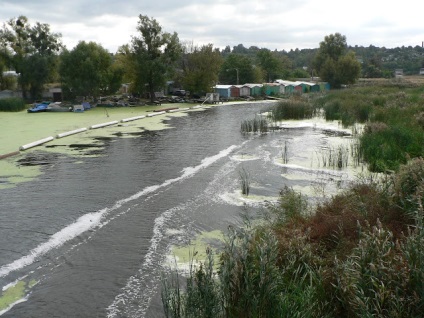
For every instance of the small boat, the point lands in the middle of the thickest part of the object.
(38, 108)
(58, 107)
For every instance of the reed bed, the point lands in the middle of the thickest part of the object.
(257, 124)
(12, 104)
(244, 178)
(360, 254)
(294, 108)
(334, 157)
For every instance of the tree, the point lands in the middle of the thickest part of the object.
(155, 54)
(31, 52)
(88, 70)
(237, 67)
(200, 68)
(334, 64)
(272, 64)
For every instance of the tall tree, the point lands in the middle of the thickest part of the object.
(238, 68)
(155, 55)
(200, 68)
(88, 70)
(31, 51)
(334, 64)
(271, 63)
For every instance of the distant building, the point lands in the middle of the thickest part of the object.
(422, 71)
(398, 72)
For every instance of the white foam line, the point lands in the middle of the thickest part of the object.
(104, 124)
(36, 143)
(93, 220)
(72, 132)
(132, 285)
(132, 118)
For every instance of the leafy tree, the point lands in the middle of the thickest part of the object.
(88, 70)
(200, 67)
(124, 60)
(237, 66)
(155, 55)
(334, 64)
(271, 63)
(31, 51)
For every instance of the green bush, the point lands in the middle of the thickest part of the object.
(12, 104)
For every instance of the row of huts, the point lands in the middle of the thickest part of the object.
(279, 87)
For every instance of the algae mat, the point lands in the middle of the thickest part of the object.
(21, 128)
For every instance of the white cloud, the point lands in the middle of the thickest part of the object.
(275, 24)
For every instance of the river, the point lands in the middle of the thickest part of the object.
(90, 238)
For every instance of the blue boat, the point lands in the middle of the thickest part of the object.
(37, 108)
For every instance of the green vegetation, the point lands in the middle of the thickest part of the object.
(200, 67)
(293, 108)
(257, 124)
(334, 64)
(153, 55)
(358, 254)
(32, 51)
(88, 70)
(12, 104)
(244, 177)
(393, 116)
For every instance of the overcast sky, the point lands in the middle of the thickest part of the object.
(272, 24)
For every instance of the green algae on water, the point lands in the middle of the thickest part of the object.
(15, 294)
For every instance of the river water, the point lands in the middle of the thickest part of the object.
(90, 239)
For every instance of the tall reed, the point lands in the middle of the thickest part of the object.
(257, 124)
(244, 178)
(285, 153)
(292, 109)
(12, 104)
(334, 157)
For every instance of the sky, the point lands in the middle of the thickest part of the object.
(273, 24)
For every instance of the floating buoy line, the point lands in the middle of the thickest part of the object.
(77, 131)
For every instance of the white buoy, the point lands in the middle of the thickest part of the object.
(156, 113)
(178, 110)
(72, 132)
(104, 124)
(36, 143)
(132, 118)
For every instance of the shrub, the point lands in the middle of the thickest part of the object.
(291, 206)
(12, 104)
(408, 186)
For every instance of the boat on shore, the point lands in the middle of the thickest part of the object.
(39, 107)
(58, 107)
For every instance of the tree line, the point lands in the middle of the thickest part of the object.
(155, 56)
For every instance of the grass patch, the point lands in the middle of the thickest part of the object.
(13, 104)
